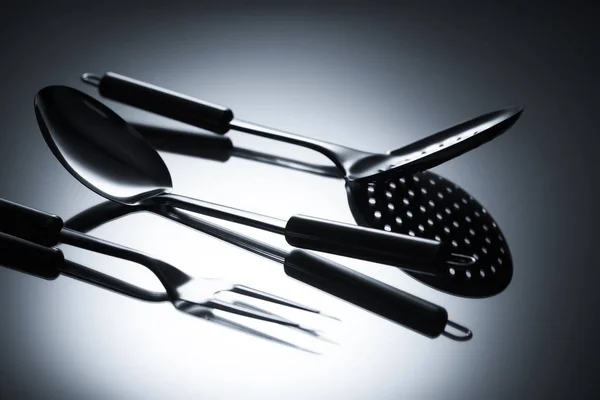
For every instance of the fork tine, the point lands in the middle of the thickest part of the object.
(251, 307)
(312, 332)
(245, 329)
(248, 312)
(257, 294)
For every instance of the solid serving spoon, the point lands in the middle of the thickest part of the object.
(111, 158)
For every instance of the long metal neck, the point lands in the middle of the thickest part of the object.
(222, 212)
(166, 273)
(341, 156)
(237, 239)
(81, 240)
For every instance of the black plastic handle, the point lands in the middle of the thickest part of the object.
(167, 103)
(407, 252)
(195, 144)
(29, 224)
(31, 258)
(387, 301)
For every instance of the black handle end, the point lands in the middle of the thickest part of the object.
(407, 252)
(145, 96)
(29, 224)
(361, 290)
(31, 258)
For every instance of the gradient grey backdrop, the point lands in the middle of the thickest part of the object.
(370, 77)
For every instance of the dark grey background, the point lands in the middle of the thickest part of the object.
(373, 77)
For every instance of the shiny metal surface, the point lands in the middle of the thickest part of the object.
(108, 156)
(415, 313)
(60, 120)
(362, 167)
(356, 165)
(369, 76)
(184, 291)
(428, 205)
(361, 171)
(424, 205)
(108, 282)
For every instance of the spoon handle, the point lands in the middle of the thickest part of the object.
(167, 103)
(404, 251)
(212, 117)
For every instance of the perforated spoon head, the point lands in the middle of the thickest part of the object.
(427, 205)
(431, 151)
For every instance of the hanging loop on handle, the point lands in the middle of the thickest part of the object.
(466, 332)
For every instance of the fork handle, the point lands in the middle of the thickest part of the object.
(29, 224)
(361, 290)
(31, 258)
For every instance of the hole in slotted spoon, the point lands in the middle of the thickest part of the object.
(455, 218)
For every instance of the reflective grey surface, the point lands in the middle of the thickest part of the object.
(367, 78)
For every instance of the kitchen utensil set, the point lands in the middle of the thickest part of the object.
(407, 217)
(108, 156)
(367, 173)
(384, 300)
(431, 207)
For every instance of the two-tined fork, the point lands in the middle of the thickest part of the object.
(29, 247)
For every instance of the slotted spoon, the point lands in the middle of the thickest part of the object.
(359, 167)
(429, 206)
(366, 173)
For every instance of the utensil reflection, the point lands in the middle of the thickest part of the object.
(409, 311)
(27, 244)
(109, 157)
(116, 285)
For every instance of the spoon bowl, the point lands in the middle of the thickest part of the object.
(108, 156)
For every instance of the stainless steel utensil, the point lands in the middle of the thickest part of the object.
(423, 205)
(107, 155)
(25, 246)
(429, 206)
(44, 262)
(384, 300)
(359, 167)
